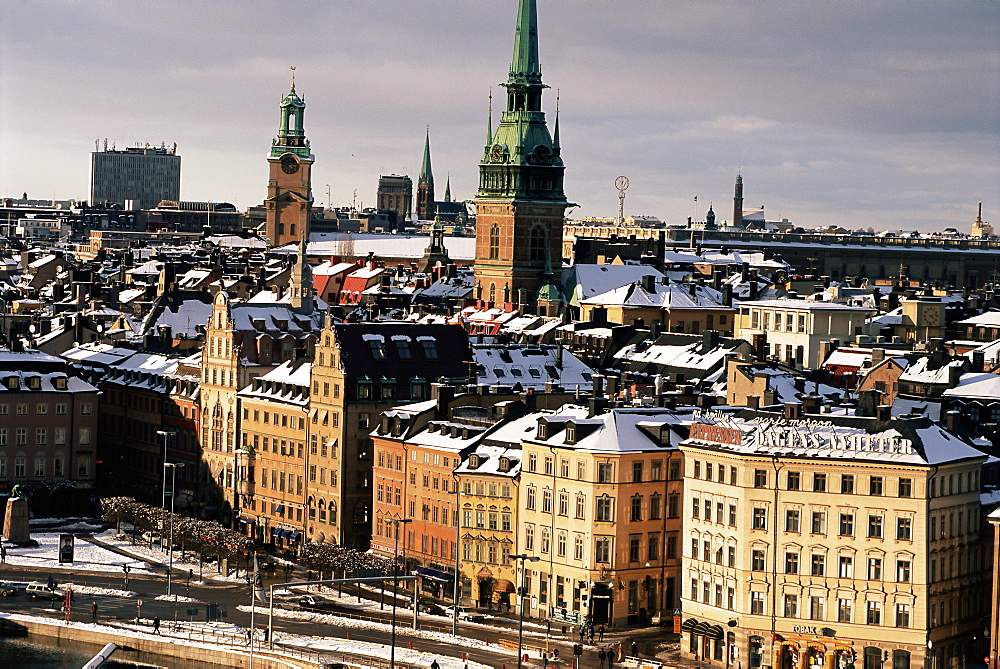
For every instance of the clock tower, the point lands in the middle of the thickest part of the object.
(520, 204)
(289, 185)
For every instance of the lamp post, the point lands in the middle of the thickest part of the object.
(395, 583)
(522, 593)
(163, 490)
(173, 487)
(238, 485)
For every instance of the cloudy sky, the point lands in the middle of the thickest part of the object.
(872, 113)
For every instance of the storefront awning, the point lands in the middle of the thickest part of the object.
(286, 534)
(275, 531)
(689, 625)
(296, 536)
(247, 521)
(434, 574)
(503, 585)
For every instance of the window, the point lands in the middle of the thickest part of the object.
(377, 348)
(906, 487)
(634, 547)
(844, 607)
(847, 524)
(760, 519)
(709, 471)
(654, 506)
(602, 552)
(697, 469)
(578, 548)
(874, 613)
(757, 560)
(757, 603)
(656, 470)
(695, 508)
(581, 505)
(792, 520)
(546, 501)
(637, 472)
(529, 502)
(791, 563)
(817, 565)
(495, 242)
(903, 571)
(20, 463)
(845, 567)
(847, 484)
(694, 549)
(874, 569)
(39, 466)
(653, 546)
(816, 605)
(903, 615)
(605, 472)
(791, 606)
(819, 482)
(403, 349)
(875, 527)
(720, 511)
(760, 478)
(604, 505)
(819, 522)
(430, 348)
(794, 480)
(532, 462)
(732, 515)
(731, 556)
(673, 505)
(732, 475)
(904, 529)
(875, 485)
(529, 537)
(635, 508)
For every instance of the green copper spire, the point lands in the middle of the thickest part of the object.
(489, 123)
(524, 67)
(425, 167)
(291, 131)
(447, 189)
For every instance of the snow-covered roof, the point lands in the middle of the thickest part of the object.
(806, 305)
(987, 319)
(530, 366)
(923, 371)
(977, 385)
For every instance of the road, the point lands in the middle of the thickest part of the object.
(228, 596)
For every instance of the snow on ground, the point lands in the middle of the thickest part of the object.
(354, 623)
(93, 590)
(85, 555)
(177, 598)
(182, 562)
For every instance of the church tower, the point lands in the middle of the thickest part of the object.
(289, 185)
(738, 202)
(425, 185)
(520, 204)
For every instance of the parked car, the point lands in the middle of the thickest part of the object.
(8, 589)
(427, 606)
(464, 613)
(40, 590)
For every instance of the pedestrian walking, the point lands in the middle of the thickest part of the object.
(93, 611)
(156, 624)
(3, 554)
(249, 636)
(602, 655)
(611, 657)
(591, 633)
(583, 631)
(635, 649)
(600, 633)
(435, 665)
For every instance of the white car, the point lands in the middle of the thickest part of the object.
(464, 613)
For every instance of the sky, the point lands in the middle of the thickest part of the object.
(873, 113)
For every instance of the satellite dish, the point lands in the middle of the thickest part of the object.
(32, 328)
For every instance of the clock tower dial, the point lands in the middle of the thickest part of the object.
(289, 165)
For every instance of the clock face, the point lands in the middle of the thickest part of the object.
(288, 164)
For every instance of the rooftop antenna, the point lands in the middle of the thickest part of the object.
(621, 183)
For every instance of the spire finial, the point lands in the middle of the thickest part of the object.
(293, 78)
(489, 122)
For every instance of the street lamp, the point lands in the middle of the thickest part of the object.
(163, 491)
(238, 487)
(522, 593)
(173, 489)
(395, 584)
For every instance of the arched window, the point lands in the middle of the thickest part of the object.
(495, 242)
(493, 292)
(538, 244)
(322, 511)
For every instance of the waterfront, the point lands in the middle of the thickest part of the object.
(42, 652)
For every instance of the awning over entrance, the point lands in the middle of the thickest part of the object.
(434, 574)
(703, 628)
(503, 585)
(247, 521)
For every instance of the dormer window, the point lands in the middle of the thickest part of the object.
(403, 349)
(504, 465)
(377, 348)
(35, 382)
(13, 383)
(474, 461)
(543, 431)
(60, 382)
(430, 349)
(570, 433)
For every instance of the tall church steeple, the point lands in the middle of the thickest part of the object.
(738, 202)
(520, 202)
(301, 283)
(289, 187)
(425, 185)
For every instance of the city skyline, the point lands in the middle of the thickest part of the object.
(890, 125)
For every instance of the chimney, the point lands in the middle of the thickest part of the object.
(878, 355)
(753, 289)
(442, 394)
(753, 401)
(810, 404)
(727, 295)
(598, 405)
(599, 316)
(978, 361)
(649, 283)
(954, 374)
(951, 420)
(530, 401)
(709, 339)
(883, 412)
(793, 410)
(598, 381)
(760, 346)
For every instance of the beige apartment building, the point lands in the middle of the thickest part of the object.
(795, 328)
(599, 505)
(831, 542)
(272, 466)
